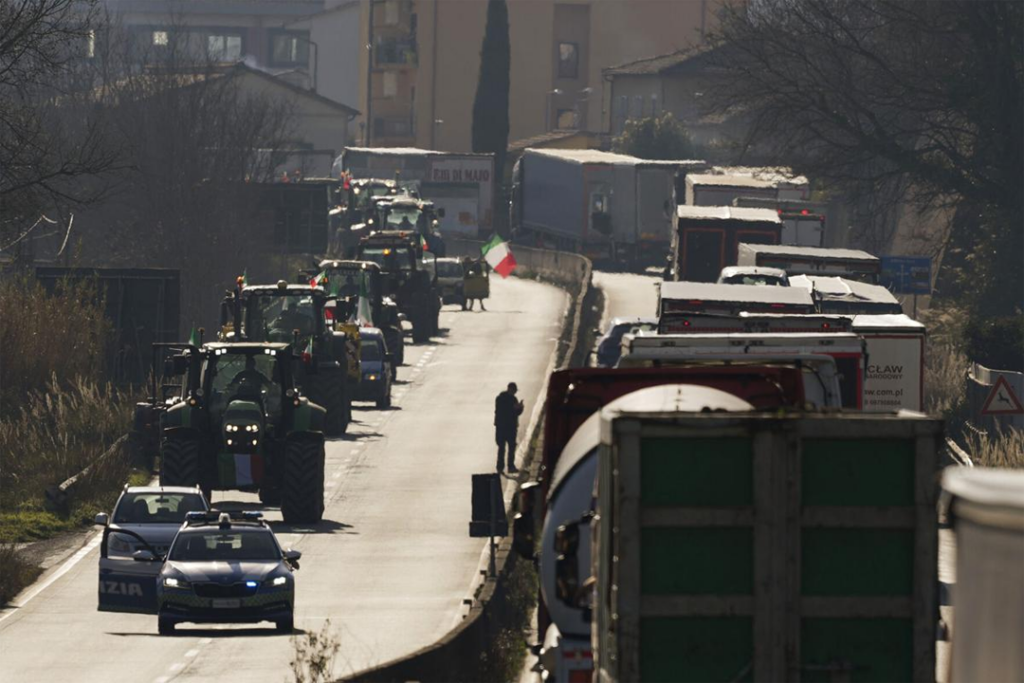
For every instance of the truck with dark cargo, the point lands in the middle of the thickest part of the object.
(803, 222)
(761, 547)
(706, 238)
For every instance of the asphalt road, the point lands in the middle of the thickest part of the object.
(626, 294)
(391, 563)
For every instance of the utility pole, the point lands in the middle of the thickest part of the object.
(368, 131)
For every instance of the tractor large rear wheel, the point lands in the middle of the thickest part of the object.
(302, 488)
(331, 396)
(179, 462)
(420, 327)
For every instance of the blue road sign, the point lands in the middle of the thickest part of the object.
(907, 274)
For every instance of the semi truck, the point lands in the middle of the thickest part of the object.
(814, 351)
(732, 546)
(722, 185)
(706, 239)
(895, 347)
(704, 297)
(845, 296)
(574, 398)
(803, 222)
(852, 264)
(460, 184)
(612, 208)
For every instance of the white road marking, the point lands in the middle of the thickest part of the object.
(336, 474)
(161, 679)
(206, 641)
(191, 653)
(64, 569)
(176, 667)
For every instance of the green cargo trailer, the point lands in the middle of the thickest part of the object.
(766, 547)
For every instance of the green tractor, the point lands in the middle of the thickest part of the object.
(406, 278)
(295, 314)
(240, 423)
(344, 280)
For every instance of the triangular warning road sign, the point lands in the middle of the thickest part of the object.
(1002, 400)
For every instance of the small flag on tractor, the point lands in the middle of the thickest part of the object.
(498, 256)
(320, 279)
(245, 277)
(193, 337)
(363, 314)
(307, 354)
(423, 243)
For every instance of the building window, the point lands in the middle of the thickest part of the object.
(566, 119)
(568, 60)
(654, 105)
(390, 84)
(224, 48)
(391, 128)
(289, 49)
(160, 38)
(396, 51)
(639, 102)
(390, 12)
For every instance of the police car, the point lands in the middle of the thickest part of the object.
(221, 568)
(148, 517)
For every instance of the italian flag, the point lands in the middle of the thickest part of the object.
(240, 469)
(423, 243)
(499, 256)
(320, 279)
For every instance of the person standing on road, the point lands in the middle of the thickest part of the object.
(506, 425)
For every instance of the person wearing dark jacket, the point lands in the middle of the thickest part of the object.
(506, 425)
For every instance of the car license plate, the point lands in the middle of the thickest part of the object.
(227, 603)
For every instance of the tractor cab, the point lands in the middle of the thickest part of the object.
(409, 214)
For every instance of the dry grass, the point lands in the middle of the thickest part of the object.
(15, 574)
(44, 335)
(1003, 449)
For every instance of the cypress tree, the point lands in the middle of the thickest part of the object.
(490, 108)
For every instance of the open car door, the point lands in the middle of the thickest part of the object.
(128, 584)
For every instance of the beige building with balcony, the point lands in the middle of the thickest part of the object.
(423, 79)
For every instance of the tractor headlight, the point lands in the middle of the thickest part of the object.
(175, 583)
(371, 377)
(231, 428)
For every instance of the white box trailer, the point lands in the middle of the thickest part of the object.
(461, 184)
(609, 207)
(707, 297)
(722, 185)
(849, 263)
(844, 296)
(895, 346)
(848, 350)
(803, 222)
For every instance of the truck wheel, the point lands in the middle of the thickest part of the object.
(332, 394)
(420, 333)
(270, 495)
(302, 491)
(179, 462)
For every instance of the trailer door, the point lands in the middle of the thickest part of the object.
(703, 254)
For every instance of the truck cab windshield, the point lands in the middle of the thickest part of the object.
(274, 318)
(403, 218)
